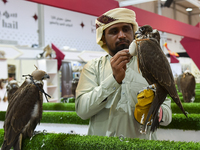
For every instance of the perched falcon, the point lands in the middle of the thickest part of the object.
(187, 84)
(3, 83)
(11, 88)
(178, 82)
(155, 69)
(24, 110)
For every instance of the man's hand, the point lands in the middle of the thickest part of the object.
(118, 63)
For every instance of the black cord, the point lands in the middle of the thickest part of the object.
(45, 94)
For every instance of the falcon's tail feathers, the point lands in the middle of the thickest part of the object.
(5, 146)
(178, 102)
(155, 106)
(16, 144)
(155, 123)
(153, 113)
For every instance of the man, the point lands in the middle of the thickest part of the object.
(108, 86)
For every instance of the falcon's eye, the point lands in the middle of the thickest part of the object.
(142, 29)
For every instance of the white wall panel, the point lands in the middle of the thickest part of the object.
(63, 28)
(17, 22)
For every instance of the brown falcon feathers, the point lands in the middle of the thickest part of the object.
(187, 84)
(11, 88)
(3, 83)
(24, 111)
(178, 82)
(156, 70)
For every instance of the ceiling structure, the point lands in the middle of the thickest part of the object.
(173, 4)
(188, 3)
(184, 3)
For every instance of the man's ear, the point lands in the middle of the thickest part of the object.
(103, 39)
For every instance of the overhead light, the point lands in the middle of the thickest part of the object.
(189, 9)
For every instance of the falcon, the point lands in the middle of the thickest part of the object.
(11, 88)
(156, 69)
(24, 111)
(3, 83)
(187, 84)
(178, 82)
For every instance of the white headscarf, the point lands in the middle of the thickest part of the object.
(111, 17)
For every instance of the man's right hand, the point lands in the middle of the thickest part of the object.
(118, 63)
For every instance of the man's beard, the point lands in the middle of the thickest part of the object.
(118, 48)
(121, 47)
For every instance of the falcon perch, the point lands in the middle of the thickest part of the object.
(155, 69)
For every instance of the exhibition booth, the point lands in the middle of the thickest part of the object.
(68, 29)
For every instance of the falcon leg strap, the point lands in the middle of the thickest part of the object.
(45, 94)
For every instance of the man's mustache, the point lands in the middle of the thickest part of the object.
(122, 41)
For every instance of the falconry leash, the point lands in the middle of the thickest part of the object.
(31, 77)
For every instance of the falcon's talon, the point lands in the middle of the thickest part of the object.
(44, 132)
(36, 132)
(121, 138)
(143, 129)
(151, 87)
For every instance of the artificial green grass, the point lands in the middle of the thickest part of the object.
(62, 141)
(59, 106)
(57, 117)
(191, 108)
(76, 142)
(197, 98)
(179, 121)
(63, 117)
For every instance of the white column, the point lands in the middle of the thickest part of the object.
(41, 26)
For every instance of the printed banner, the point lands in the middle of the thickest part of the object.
(68, 28)
(18, 22)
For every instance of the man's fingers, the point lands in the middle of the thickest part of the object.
(118, 64)
(120, 57)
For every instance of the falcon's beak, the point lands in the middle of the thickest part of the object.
(45, 76)
(137, 34)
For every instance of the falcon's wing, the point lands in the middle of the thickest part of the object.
(156, 63)
(20, 113)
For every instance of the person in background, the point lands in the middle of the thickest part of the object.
(108, 86)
